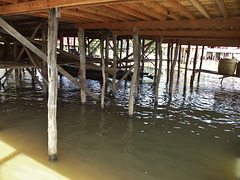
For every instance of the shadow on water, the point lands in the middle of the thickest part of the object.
(193, 135)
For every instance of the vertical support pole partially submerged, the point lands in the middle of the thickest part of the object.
(194, 67)
(103, 71)
(115, 55)
(135, 73)
(186, 66)
(172, 69)
(159, 69)
(44, 49)
(82, 69)
(200, 67)
(53, 77)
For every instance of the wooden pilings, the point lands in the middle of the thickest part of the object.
(186, 66)
(136, 67)
(52, 77)
(200, 66)
(82, 69)
(103, 72)
(194, 67)
(115, 56)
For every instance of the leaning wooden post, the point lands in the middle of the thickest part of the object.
(200, 67)
(156, 61)
(186, 66)
(159, 69)
(54, 13)
(172, 68)
(115, 52)
(134, 77)
(17, 71)
(103, 71)
(82, 69)
(194, 67)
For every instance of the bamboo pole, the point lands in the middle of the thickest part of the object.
(194, 67)
(53, 84)
(103, 72)
(134, 77)
(115, 53)
(172, 69)
(186, 66)
(159, 69)
(82, 68)
(200, 66)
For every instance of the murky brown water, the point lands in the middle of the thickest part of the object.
(195, 136)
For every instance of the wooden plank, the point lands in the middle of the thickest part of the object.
(147, 11)
(134, 77)
(180, 8)
(82, 68)
(201, 8)
(223, 9)
(170, 24)
(124, 8)
(161, 9)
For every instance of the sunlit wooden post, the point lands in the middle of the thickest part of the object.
(82, 69)
(134, 77)
(54, 13)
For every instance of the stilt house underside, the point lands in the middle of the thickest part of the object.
(200, 22)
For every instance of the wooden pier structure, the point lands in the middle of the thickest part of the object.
(32, 37)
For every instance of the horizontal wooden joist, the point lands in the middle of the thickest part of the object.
(202, 23)
(184, 34)
(36, 5)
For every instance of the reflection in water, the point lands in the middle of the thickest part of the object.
(193, 135)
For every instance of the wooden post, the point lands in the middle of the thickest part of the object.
(172, 68)
(200, 67)
(61, 40)
(134, 77)
(82, 69)
(53, 78)
(156, 61)
(126, 58)
(44, 49)
(142, 57)
(159, 69)
(103, 71)
(168, 61)
(115, 53)
(179, 62)
(107, 54)
(194, 67)
(17, 71)
(138, 74)
(186, 66)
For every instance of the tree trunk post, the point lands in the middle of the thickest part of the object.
(103, 71)
(53, 84)
(168, 61)
(179, 61)
(200, 66)
(44, 49)
(134, 77)
(82, 69)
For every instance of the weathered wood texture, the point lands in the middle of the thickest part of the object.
(53, 84)
(82, 69)
(135, 73)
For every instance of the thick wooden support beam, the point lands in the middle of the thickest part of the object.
(200, 23)
(223, 9)
(40, 54)
(135, 73)
(53, 84)
(82, 68)
(200, 7)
